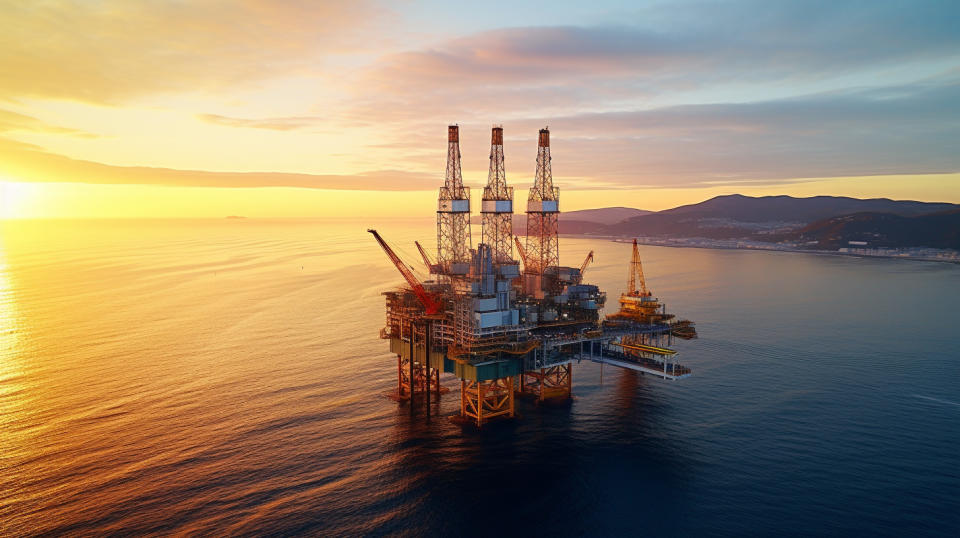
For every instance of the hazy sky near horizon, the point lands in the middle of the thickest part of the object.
(182, 108)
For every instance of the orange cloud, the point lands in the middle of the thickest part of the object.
(12, 121)
(112, 50)
(30, 163)
(289, 123)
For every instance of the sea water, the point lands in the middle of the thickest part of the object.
(226, 376)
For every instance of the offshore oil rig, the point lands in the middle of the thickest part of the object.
(503, 330)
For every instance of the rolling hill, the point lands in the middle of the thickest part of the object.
(580, 221)
(787, 208)
(764, 218)
(821, 222)
(936, 230)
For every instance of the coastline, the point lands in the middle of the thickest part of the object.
(911, 254)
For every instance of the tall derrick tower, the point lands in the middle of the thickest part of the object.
(497, 208)
(453, 213)
(543, 207)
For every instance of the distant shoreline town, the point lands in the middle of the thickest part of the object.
(914, 253)
(875, 228)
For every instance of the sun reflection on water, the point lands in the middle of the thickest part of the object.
(10, 367)
(8, 317)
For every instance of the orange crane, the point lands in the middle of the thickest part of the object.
(586, 262)
(429, 301)
(431, 267)
(636, 274)
(521, 251)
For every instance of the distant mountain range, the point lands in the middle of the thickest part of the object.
(787, 208)
(936, 230)
(577, 221)
(606, 215)
(819, 222)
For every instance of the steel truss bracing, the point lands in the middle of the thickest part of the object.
(420, 381)
(415, 376)
(543, 247)
(636, 275)
(497, 209)
(484, 400)
(464, 323)
(555, 382)
(453, 212)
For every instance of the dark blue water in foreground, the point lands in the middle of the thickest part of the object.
(225, 377)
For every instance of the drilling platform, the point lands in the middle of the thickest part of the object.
(504, 330)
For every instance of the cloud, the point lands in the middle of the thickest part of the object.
(110, 51)
(13, 121)
(904, 129)
(603, 89)
(896, 130)
(657, 51)
(289, 123)
(30, 163)
(598, 88)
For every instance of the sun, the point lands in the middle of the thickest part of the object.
(14, 198)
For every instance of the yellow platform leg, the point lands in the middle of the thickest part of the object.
(485, 400)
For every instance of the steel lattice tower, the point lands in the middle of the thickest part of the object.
(497, 209)
(453, 213)
(543, 207)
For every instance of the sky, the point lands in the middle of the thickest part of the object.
(267, 108)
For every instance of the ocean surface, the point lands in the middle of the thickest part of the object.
(225, 377)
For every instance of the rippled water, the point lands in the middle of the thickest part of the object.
(225, 376)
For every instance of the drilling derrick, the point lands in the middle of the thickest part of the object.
(497, 210)
(543, 207)
(638, 304)
(453, 214)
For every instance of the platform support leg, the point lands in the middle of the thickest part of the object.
(412, 375)
(427, 374)
(485, 400)
(541, 382)
(480, 401)
(553, 383)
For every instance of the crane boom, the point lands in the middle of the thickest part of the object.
(429, 303)
(521, 251)
(586, 262)
(431, 267)
(636, 275)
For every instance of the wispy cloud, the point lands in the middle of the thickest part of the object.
(31, 163)
(893, 130)
(114, 50)
(13, 121)
(896, 130)
(856, 75)
(679, 94)
(275, 124)
(666, 49)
